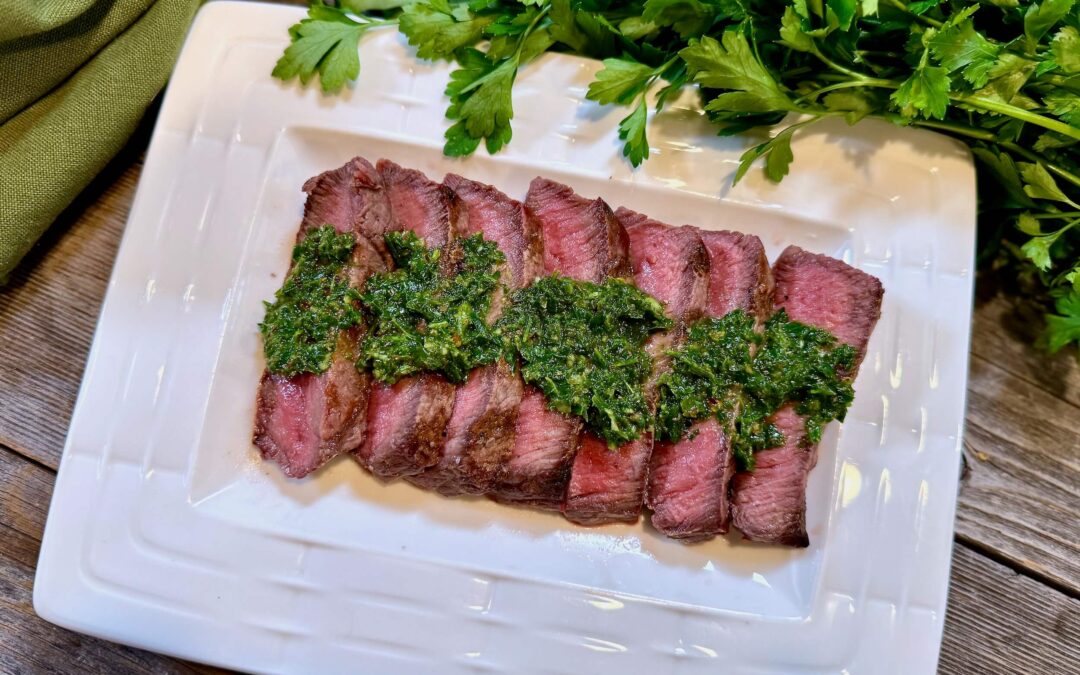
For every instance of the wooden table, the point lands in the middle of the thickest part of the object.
(1015, 599)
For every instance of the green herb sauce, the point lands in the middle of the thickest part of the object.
(714, 374)
(582, 344)
(301, 327)
(424, 320)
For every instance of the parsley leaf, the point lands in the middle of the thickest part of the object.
(687, 17)
(480, 101)
(958, 46)
(1063, 327)
(438, 29)
(731, 64)
(620, 81)
(1066, 49)
(1064, 105)
(1039, 184)
(1041, 17)
(326, 42)
(1037, 250)
(792, 33)
(926, 92)
(632, 130)
(564, 26)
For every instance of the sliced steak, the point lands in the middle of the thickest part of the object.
(688, 484)
(672, 265)
(502, 220)
(739, 276)
(607, 486)
(582, 238)
(669, 263)
(408, 420)
(302, 422)
(769, 503)
(689, 479)
(544, 445)
(480, 433)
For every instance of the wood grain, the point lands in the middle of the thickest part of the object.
(1004, 332)
(1000, 622)
(1020, 496)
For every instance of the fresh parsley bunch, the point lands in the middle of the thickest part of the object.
(1001, 75)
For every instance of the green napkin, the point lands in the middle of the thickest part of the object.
(76, 77)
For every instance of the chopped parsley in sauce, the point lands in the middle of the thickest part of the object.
(302, 325)
(714, 374)
(582, 344)
(423, 319)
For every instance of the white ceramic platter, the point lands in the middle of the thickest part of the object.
(168, 533)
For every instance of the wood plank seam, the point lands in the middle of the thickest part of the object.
(1015, 565)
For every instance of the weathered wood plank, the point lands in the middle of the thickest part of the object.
(27, 643)
(1004, 331)
(1002, 622)
(1020, 495)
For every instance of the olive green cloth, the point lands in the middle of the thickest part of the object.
(76, 77)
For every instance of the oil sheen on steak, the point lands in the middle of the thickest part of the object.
(302, 422)
(769, 503)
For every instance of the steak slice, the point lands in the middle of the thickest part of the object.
(607, 486)
(689, 479)
(408, 419)
(480, 433)
(539, 466)
(769, 503)
(582, 238)
(672, 265)
(739, 275)
(302, 422)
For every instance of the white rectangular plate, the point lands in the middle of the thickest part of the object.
(167, 532)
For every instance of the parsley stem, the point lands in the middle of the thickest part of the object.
(919, 17)
(990, 137)
(832, 87)
(836, 66)
(1018, 113)
(528, 31)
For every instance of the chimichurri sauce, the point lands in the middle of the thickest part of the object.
(301, 327)
(714, 374)
(422, 320)
(582, 344)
